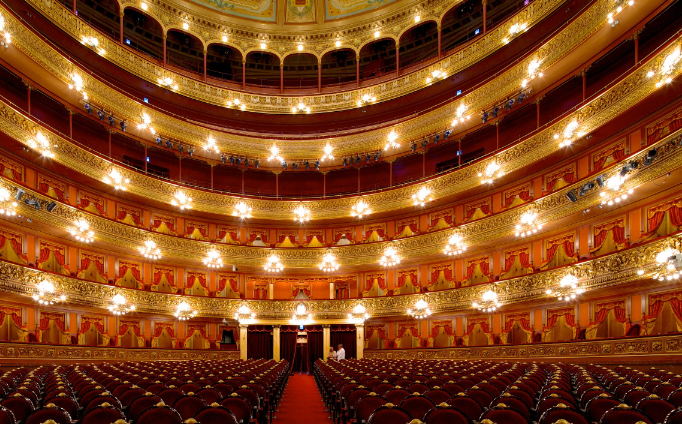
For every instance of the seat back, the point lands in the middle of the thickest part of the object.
(20, 406)
(675, 417)
(417, 406)
(468, 406)
(624, 414)
(209, 395)
(438, 395)
(239, 407)
(511, 402)
(103, 414)
(656, 408)
(389, 415)
(170, 395)
(597, 407)
(189, 405)
(49, 412)
(446, 415)
(504, 415)
(556, 413)
(129, 395)
(216, 414)
(157, 414)
(6, 416)
(141, 403)
(367, 405)
(69, 405)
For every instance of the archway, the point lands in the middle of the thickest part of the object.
(300, 71)
(224, 62)
(461, 24)
(102, 14)
(262, 69)
(377, 59)
(418, 44)
(184, 51)
(142, 33)
(339, 67)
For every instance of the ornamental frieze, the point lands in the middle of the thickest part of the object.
(22, 280)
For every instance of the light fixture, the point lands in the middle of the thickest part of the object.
(235, 102)
(119, 305)
(181, 200)
(46, 293)
(274, 154)
(455, 246)
(421, 310)
(263, 46)
(185, 26)
(328, 152)
(244, 315)
(366, 98)
(492, 171)
(213, 259)
(359, 314)
(568, 134)
(527, 224)
(93, 43)
(211, 144)
(41, 144)
(337, 43)
(435, 76)
(459, 114)
(224, 38)
(300, 107)
(150, 251)
(77, 84)
(667, 68)
(301, 315)
(569, 288)
(6, 38)
(168, 83)
(300, 47)
(612, 192)
(360, 209)
(377, 34)
(390, 257)
(422, 196)
(117, 180)
(242, 210)
(533, 71)
(392, 143)
(329, 263)
(7, 207)
(144, 6)
(620, 5)
(82, 231)
(515, 30)
(184, 312)
(301, 214)
(489, 302)
(667, 267)
(273, 264)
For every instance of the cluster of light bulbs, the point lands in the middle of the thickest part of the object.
(422, 196)
(213, 259)
(533, 71)
(492, 171)
(360, 209)
(274, 154)
(611, 17)
(455, 246)
(420, 310)
(301, 315)
(77, 84)
(82, 232)
(242, 210)
(435, 76)
(359, 314)
(527, 225)
(184, 312)
(667, 67)
(119, 305)
(328, 152)
(366, 98)
(211, 145)
(665, 268)
(6, 38)
(115, 179)
(392, 142)
(150, 251)
(459, 114)
(489, 302)
(614, 195)
(237, 103)
(46, 294)
(273, 264)
(168, 83)
(92, 42)
(301, 214)
(515, 30)
(41, 144)
(329, 263)
(569, 288)
(7, 207)
(390, 257)
(244, 315)
(182, 200)
(569, 134)
(300, 107)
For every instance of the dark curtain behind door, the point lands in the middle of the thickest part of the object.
(345, 335)
(287, 342)
(259, 342)
(314, 344)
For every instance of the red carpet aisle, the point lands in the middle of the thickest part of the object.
(302, 403)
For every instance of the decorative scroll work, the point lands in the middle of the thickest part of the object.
(164, 224)
(129, 215)
(91, 203)
(516, 196)
(441, 220)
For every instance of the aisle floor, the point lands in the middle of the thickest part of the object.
(302, 402)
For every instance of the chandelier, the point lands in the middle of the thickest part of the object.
(528, 226)
(422, 196)
(5, 34)
(146, 123)
(92, 42)
(213, 259)
(360, 209)
(514, 30)
(119, 305)
(667, 68)
(366, 98)
(613, 193)
(82, 231)
(435, 76)
(41, 144)
(6, 207)
(244, 315)
(301, 214)
(181, 200)
(150, 251)
(301, 315)
(568, 134)
(273, 264)
(455, 246)
(184, 312)
(459, 114)
(116, 179)
(328, 263)
(568, 288)
(488, 302)
(667, 265)
(421, 310)
(211, 145)
(168, 83)
(242, 210)
(359, 314)
(390, 257)
(328, 152)
(492, 171)
(47, 294)
(300, 107)
(392, 143)
(274, 154)
(533, 68)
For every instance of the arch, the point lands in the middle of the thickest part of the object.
(104, 15)
(143, 32)
(300, 70)
(377, 58)
(262, 69)
(224, 62)
(460, 23)
(185, 51)
(419, 44)
(339, 66)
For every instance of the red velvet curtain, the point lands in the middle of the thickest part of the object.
(12, 313)
(222, 283)
(124, 327)
(338, 236)
(402, 328)
(159, 274)
(310, 237)
(45, 254)
(380, 281)
(524, 195)
(413, 226)
(617, 230)
(342, 292)
(84, 203)
(602, 313)
(157, 223)
(122, 214)
(287, 344)
(259, 345)
(568, 177)
(569, 316)
(202, 280)
(222, 233)
(403, 277)
(260, 293)
(674, 214)
(525, 323)
(296, 290)
(123, 268)
(380, 232)
(380, 330)
(190, 230)
(446, 327)
(15, 245)
(485, 326)
(46, 318)
(484, 208)
(158, 329)
(86, 323)
(15, 174)
(616, 154)
(253, 237)
(345, 335)
(85, 263)
(44, 188)
(447, 273)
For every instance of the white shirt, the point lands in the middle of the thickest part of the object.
(332, 355)
(340, 354)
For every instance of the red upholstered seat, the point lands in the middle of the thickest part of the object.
(482, 397)
(49, 412)
(438, 395)
(129, 395)
(156, 388)
(141, 403)
(676, 398)
(504, 415)
(452, 388)
(551, 402)
(69, 405)
(170, 395)
(189, 405)
(367, 405)
(239, 406)
(383, 388)
(469, 406)
(158, 415)
(352, 399)
(664, 390)
(20, 406)
(655, 407)
(624, 414)
(674, 417)
(633, 397)
(417, 406)
(556, 413)
(6, 416)
(418, 388)
(389, 415)
(523, 395)
(598, 406)
(103, 400)
(371, 384)
(446, 415)
(216, 414)
(513, 403)
(104, 415)
(189, 388)
(224, 389)
(395, 396)
(209, 395)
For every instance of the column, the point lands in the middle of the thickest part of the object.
(319, 75)
(397, 59)
(164, 49)
(326, 340)
(497, 133)
(281, 78)
(332, 290)
(243, 73)
(28, 97)
(275, 342)
(583, 73)
(360, 340)
(210, 164)
(243, 331)
(120, 26)
(71, 112)
(485, 16)
(271, 290)
(537, 103)
(635, 37)
(75, 10)
(205, 63)
(440, 36)
(390, 173)
(357, 68)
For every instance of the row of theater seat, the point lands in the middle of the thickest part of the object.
(484, 392)
(176, 392)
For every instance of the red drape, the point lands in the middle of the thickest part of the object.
(190, 230)
(437, 326)
(380, 232)
(617, 230)
(568, 177)
(297, 290)
(380, 281)
(202, 280)
(127, 325)
(338, 236)
(13, 313)
(159, 274)
(253, 237)
(447, 273)
(413, 226)
(655, 218)
(45, 254)
(568, 314)
(123, 268)
(604, 309)
(484, 208)
(222, 233)
(158, 329)
(403, 277)
(16, 175)
(84, 203)
(485, 326)
(222, 283)
(16, 246)
(260, 293)
(380, 330)
(157, 223)
(122, 214)
(523, 195)
(85, 263)
(484, 265)
(402, 328)
(616, 154)
(45, 319)
(44, 188)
